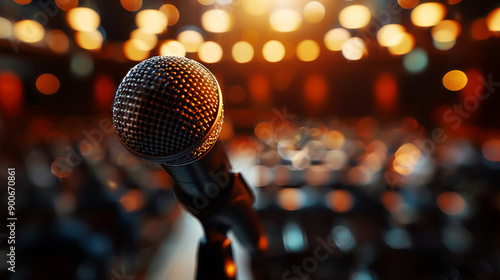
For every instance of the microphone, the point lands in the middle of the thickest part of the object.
(169, 110)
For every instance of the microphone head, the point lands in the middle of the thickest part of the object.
(168, 109)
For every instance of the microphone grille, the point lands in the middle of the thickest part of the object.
(168, 109)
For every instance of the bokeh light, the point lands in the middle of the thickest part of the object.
(444, 46)
(83, 19)
(89, 40)
(308, 50)
(273, 51)
(491, 150)
(451, 203)
(406, 159)
(256, 7)
(335, 38)
(217, 21)
(392, 201)
(455, 80)
(387, 35)
(82, 65)
(446, 31)
(408, 4)
(314, 12)
(354, 48)
(22, 2)
(152, 21)
(11, 93)
(206, 2)
(57, 41)
(285, 20)
(5, 28)
(66, 5)
(416, 61)
(47, 84)
(144, 40)
(405, 42)
(29, 31)
(191, 39)
(171, 12)
(428, 14)
(480, 30)
(339, 200)
(291, 199)
(386, 93)
(131, 5)
(132, 200)
(316, 92)
(172, 47)
(493, 20)
(242, 52)
(210, 52)
(132, 52)
(354, 16)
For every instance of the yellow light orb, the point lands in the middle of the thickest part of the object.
(335, 38)
(256, 7)
(242, 52)
(428, 14)
(493, 20)
(29, 31)
(273, 51)
(5, 28)
(152, 21)
(132, 52)
(90, 40)
(83, 19)
(145, 41)
(172, 47)
(285, 20)
(354, 16)
(405, 42)
(354, 48)
(191, 39)
(387, 34)
(217, 21)
(210, 52)
(308, 50)
(446, 31)
(455, 80)
(314, 12)
(57, 41)
(171, 12)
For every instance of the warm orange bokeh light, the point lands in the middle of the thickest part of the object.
(132, 200)
(264, 131)
(313, 12)
(11, 94)
(144, 40)
(152, 21)
(22, 2)
(273, 51)
(455, 80)
(493, 20)
(308, 50)
(406, 159)
(392, 201)
(83, 19)
(405, 42)
(131, 5)
(285, 20)
(29, 31)
(386, 93)
(217, 21)
(172, 47)
(191, 39)
(479, 30)
(355, 16)
(57, 41)
(47, 84)
(210, 52)
(428, 14)
(132, 52)
(387, 35)
(230, 269)
(451, 203)
(340, 200)
(491, 150)
(408, 4)
(291, 199)
(89, 40)
(335, 38)
(66, 5)
(316, 92)
(446, 31)
(171, 12)
(242, 52)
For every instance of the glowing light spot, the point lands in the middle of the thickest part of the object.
(451, 203)
(242, 52)
(171, 12)
(29, 31)
(406, 159)
(428, 14)
(493, 20)
(264, 131)
(291, 199)
(408, 4)
(90, 40)
(308, 50)
(387, 35)
(5, 28)
(230, 269)
(145, 41)
(273, 51)
(491, 150)
(354, 48)
(132, 200)
(480, 29)
(210, 52)
(335, 38)
(82, 65)
(314, 12)
(132, 52)
(191, 39)
(22, 2)
(285, 20)
(405, 44)
(334, 139)
(443, 46)
(392, 201)
(339, 200)
(172, 47)
(131, 5)
(355, 16)
(66, 5)
(217, 21)
(11, 94)
(57, 41)
(47, 84)
(83, 19)
(152, 21)
(256, 7)
(455, 80)
(206, 2)
(416, 61)
(446, 31)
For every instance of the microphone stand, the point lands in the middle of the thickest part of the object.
(215, 256)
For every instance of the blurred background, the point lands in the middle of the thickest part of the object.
(373, 123)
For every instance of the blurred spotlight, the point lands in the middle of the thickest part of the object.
(132, 52)
(217, 21)
(89, 40)
(256, 7)
(172, 47)
(210, 52)
(451, 203)
(83, 19)
(428, 14)
(355, 16)
(5, 28)
(493, 20)
(242, 52)
(404, 43)
(57, 41)
(339, 200)
(335, 38)
(191, 38)
(29, 31)
(455, 80)
(82, 65)
(285, 20)
(354, 48)
(387, 35)
(291, 199)
(47, 84)
(131, 5)
(491, 150)
(273, 51)
(416, 61)
(314, 12)
(66, 5)
(408, 4)
(152, 21)
(171, 12)
(308, 50)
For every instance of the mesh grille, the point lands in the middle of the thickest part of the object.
(167, 110)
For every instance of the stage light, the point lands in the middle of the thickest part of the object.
(405, 42)
(172, 47)
(171, 12)
(83, 19)
(446, 31)
(491, 150)
(354, 48)
(428, 14)
(132, 52)
(335, 38)
(455, 80)
(191, 39)
(210, 52)
(355, 16)
(387, 34)
(152, 21)
(47, 84)
(493, 20)
(29, 31)
(285, 20)
(273, 51)
(57, 41)
(416, 60)
(451, 203)
(308, 50)
(256, 7)
(408, 4)
(66, 5)
(480, 30)
(242, 52)
(314, 12)
(90, 40)
(145, 41)
(217, 21)
(131, 5)
(5, 28)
